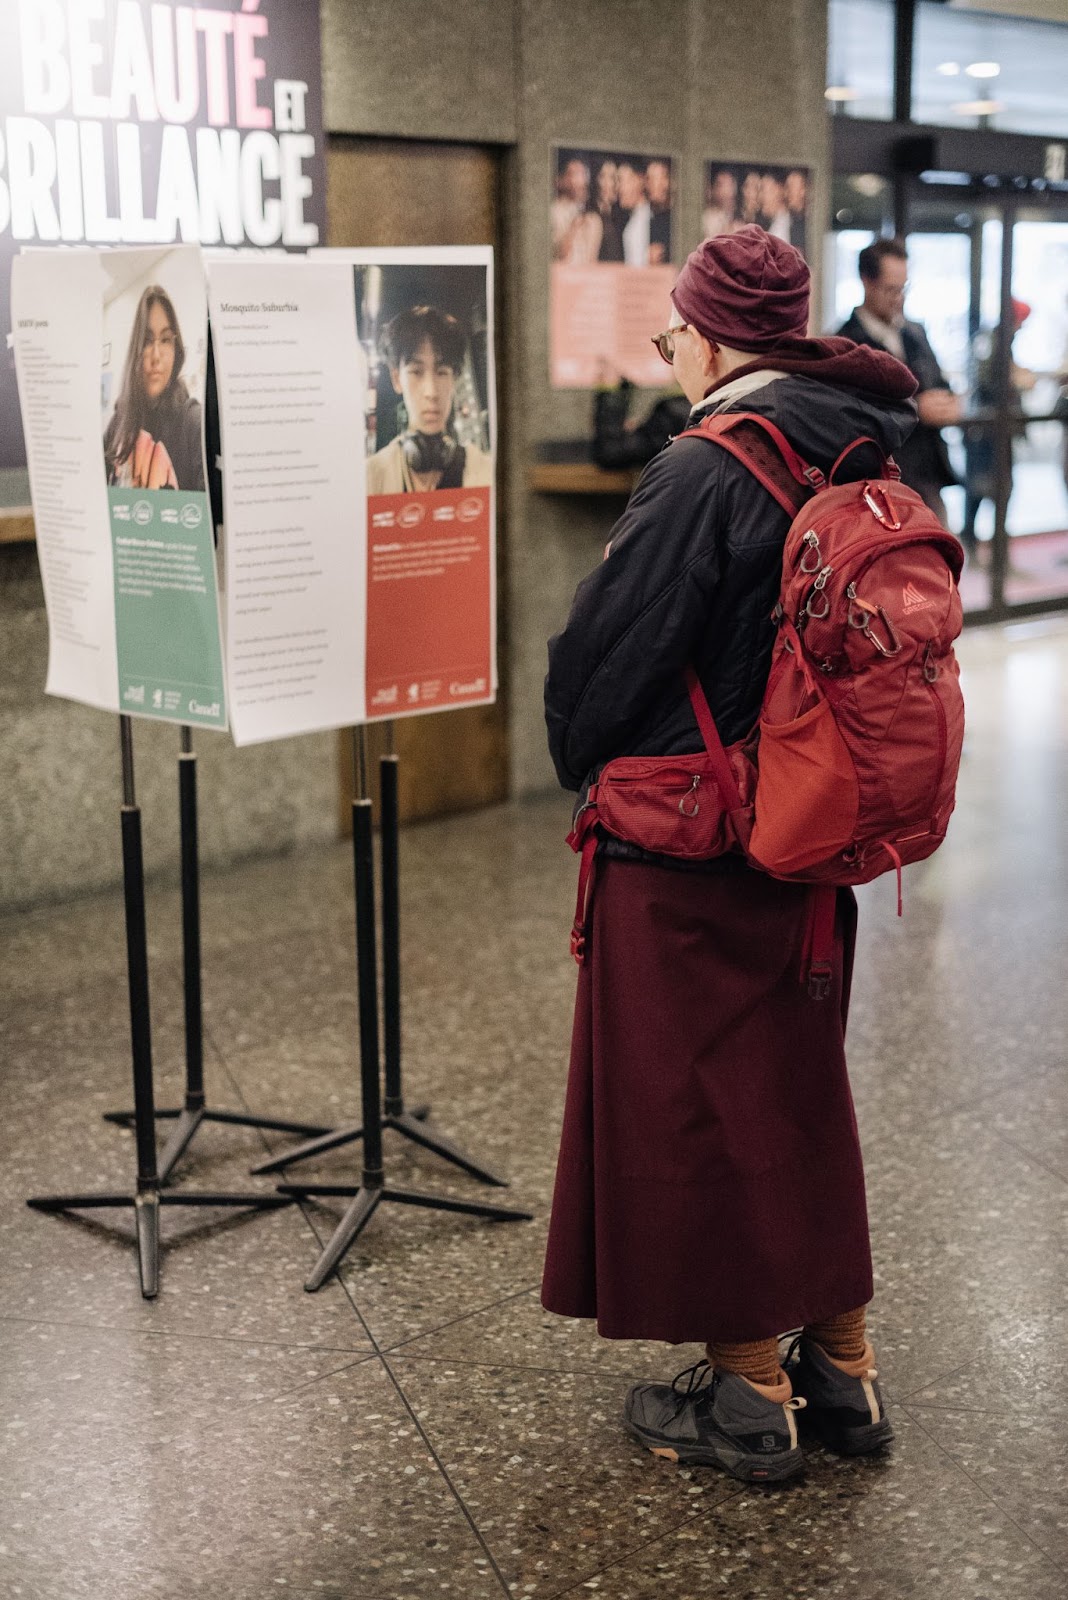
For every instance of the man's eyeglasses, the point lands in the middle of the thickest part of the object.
(665, 342)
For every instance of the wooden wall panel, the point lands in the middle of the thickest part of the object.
(383, 192)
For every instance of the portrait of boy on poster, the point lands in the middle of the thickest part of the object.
(424, 331)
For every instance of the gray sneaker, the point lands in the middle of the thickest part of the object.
(847, 1413)
(716, 1420)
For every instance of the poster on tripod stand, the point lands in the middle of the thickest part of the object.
(291, 383)
(111, 358)
(425, 323)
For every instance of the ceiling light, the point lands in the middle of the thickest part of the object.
(840, 92)
(949, 69)
(983, 69)
(977, 108)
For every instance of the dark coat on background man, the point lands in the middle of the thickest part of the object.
(923, 459)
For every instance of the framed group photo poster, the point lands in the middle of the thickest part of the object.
(613, 233)
(741, 192)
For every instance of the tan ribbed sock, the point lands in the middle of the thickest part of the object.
(842, 1337)
(757, 1360)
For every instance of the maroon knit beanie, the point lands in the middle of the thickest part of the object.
(748, 290)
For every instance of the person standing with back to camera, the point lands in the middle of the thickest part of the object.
(424, 350)
(710, 1185)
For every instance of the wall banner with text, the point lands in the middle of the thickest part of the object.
(111, 354)
(613, 240)
(149, 122)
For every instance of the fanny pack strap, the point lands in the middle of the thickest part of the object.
(726, 782)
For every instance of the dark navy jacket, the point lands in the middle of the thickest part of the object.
(694, 568)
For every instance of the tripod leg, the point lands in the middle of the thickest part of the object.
(313, 1147)
(146, 1216)
(471, 1208)
(427, 1135)
(191, 966)
(179, 1141)
(364, 1205)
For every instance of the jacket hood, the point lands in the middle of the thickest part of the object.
(836, 361)
(823, 393)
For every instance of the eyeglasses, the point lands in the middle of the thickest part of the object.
(665, 342)
(165, 341)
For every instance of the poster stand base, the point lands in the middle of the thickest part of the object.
(147, 1198)
(195, 1111)
(372, 1189)
(411, 1123)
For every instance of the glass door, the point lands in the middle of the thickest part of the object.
(1036, 517)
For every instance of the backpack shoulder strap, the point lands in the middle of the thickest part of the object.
(764, 450)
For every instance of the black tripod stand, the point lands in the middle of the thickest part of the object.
(148, 1197)
(372, 1190)
(195, 1111)
(412, 1122)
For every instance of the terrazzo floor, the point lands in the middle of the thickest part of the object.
(420, 1428)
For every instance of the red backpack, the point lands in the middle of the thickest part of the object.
(852, 766)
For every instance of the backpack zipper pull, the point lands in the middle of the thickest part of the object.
(930, 668)
(694, 807)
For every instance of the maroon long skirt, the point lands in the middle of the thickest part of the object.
(710, 1183)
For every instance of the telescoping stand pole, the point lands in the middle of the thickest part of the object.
(195, 1111)
(372, 1190)
(412, 1123)
(147, 1197)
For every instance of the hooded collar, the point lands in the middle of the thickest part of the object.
(835, 361)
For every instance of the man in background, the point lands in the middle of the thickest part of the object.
(880, 321)
(635, 206)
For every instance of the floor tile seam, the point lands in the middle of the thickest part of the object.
(657, 1538)
(517, 1366)
(478, 1311)
(236, 1412)
(906, 1127)
(465, 1510)
(982, 1490)
(948, 1406)
(180, 1334)
(1031, 1159)
(305, 1211)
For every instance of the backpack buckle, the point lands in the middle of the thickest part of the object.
(578, 944)
(819, 980)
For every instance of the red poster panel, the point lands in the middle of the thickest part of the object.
(429, 602)
(602, 321)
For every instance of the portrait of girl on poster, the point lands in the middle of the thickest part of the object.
(153, 437)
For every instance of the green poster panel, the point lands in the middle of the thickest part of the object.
(167, 606)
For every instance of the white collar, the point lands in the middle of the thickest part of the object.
(724, 398)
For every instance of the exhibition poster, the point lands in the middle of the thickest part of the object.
(292, 383)
(613, 238)
(741, 192)
(111, 355)
(148, 122)
(425, 323)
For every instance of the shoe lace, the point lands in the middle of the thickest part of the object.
(697, 1376)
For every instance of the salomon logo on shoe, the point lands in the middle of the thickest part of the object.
(914, 600)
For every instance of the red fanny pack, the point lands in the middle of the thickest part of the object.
(695, 806)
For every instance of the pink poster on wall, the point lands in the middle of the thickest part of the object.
(612, 230)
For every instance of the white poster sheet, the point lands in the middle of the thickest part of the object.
(57, 311)
(111, 354)
(291, 380)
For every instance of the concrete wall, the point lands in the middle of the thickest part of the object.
(704, 79)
